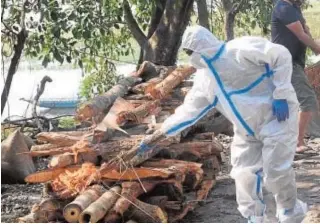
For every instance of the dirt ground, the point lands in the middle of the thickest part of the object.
(221, 207)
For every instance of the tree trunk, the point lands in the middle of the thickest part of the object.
(229, 25)
(155, 19)
(162, 47)
(18, 48)
(203, 13)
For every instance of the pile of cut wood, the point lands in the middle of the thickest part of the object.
(96, 175)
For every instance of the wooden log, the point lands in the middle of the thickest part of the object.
(139, 113)
(67, 159)
(99, 208)
(190, 173)
(140, 88)
(99, 106)
(47, 210)
(192, 151)
(137, 97)
(130, 191)
(131, 221)
(148, 70)
(147, 213)
(49, 175)
(159, 201)
(163, 89)
(57, 138)
(43, 147)
(204, 190)
(174, 205)
(134, 174)
(73, 210)
(112, 216)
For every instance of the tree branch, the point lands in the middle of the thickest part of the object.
(133, 25)
(203, 13)
(36, 99)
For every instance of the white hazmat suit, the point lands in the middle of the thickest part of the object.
(241, 78)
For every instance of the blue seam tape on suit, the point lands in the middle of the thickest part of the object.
(258, 189)
(192, 121)
(220, 84)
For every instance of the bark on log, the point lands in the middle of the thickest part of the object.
(190, 173)
(192, 151)
(140, 88)
(159, 201)
(112, 216)
(67, 159)
(99, 106)
(139, 113)
(46, 211)
(57, 138)
(164, 88)
(73, 210)
(44, 147)
(205, 188)
(130, 192)
(148, 70)
(98, 209)
(147, 213)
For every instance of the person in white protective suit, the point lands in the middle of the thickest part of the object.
(248, 80)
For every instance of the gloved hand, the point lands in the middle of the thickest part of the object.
(148, 142)
(280, 109)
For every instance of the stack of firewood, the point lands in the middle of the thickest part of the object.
(96, 174)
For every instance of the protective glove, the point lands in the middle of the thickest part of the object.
(280, 109)
(148, 142)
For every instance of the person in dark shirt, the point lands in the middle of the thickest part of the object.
(289, 29)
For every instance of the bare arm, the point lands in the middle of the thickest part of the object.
(297, 29)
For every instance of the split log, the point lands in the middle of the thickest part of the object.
(163, 89)
(99, 106)
(49, 175)
(99, 208)
(73, 210)
(148, 70)
(147, 213)
(46, 211)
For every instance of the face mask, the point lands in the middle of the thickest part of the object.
(196, 61)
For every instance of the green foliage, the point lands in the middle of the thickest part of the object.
(88, 34)
(67, 122)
